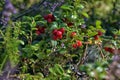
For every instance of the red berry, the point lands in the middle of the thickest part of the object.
(38, 32)
(42, 29)
(59, 33)
(62, 30)
(50, 16)
(74, 45)
(112, 50)
(55, 37)
(99, 33)
(108, 49)
(45, 17)
(54, 31)
(79, 43)
(53, 18)
(60, 37)
(49, 20)
(70, 24)
(73, 34)
(96, 37)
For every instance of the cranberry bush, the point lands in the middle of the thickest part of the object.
(59, 44)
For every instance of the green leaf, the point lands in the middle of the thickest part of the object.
(34, 29)
(38, 16)
(66, 77)
(98, 23)
(22, 42)
(54, 25)
(54, 43)
(41, 43)
(80, 6)
(40, 75)
(35, 47)
(27, 18)
(52, 71)
(63, 51)
(98, 27)
(99, 69)
(92, 28)
(48, 51)
(85, 14)
(40, 55)
(91, 33)
(83, 68)
(59, 69)
(41, 22)
(66, 7)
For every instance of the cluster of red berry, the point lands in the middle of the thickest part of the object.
(108, 49)
(96, 37)
(40, 30)
(77, 44)
(58, 33)
(50, 18)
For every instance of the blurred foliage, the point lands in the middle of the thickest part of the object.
(38, 56)
(24, 4)
(105, 10)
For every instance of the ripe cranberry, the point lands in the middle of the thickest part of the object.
(108, 49)
(100, 33)
(42, 29)
(62, 30)
(70, 24)
(55, 37)
(50, 15)
(96, 37)
(45, 17)
(79, 43)
(60, 37)
(74, 45)
(111, 50)
(73, 34)
(50, 18)
(38, 32)
(54, 32)
(59, 33)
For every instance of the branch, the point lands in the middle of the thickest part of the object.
(31, 9)
(82, 59)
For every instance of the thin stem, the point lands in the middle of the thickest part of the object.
(101, 53)
(3, 63)
(82, 58)
(1, 33)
